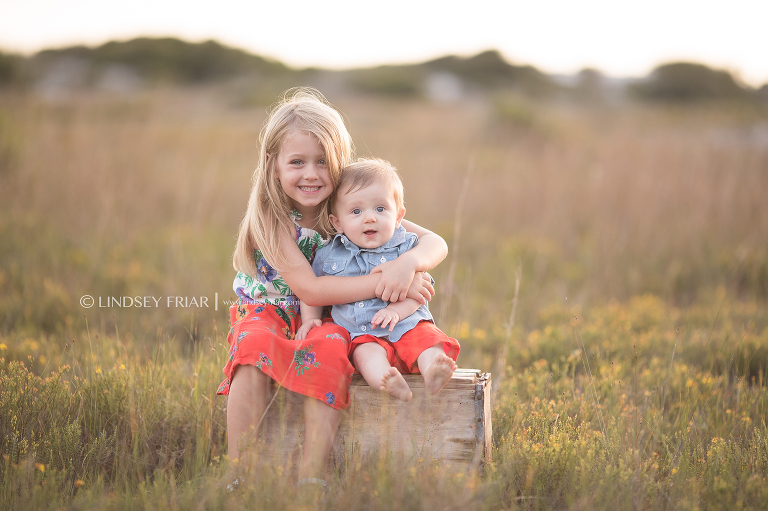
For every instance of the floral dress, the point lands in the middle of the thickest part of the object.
(264, 321)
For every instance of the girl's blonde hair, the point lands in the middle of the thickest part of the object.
(301, 109)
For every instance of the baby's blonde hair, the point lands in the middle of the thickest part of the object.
(301, 109)
(367, 171)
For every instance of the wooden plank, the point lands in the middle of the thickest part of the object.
(454, 426)
(416, 381)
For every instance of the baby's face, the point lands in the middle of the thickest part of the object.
(368, 216)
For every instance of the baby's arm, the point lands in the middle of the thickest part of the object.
(310, 318)
(394, 312)
(397, 275)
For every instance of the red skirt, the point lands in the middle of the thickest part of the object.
(403, 354)
(262, 336)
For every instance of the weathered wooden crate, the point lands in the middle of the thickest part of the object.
(453, 427)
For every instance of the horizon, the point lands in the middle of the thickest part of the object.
(554, 75)
(621, 41)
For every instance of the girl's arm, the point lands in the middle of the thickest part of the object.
(431, 249)
(327, 290)
(397, 275)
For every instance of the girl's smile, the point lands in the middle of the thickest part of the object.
(303, 172)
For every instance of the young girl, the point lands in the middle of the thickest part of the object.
(304, 146)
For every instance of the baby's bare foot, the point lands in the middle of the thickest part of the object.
(438, 373)
(394, 384)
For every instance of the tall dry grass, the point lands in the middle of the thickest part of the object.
(651, 220)
(596, 202)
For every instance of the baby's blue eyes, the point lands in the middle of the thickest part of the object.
(357, 211)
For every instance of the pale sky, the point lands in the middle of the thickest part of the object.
(619, 37)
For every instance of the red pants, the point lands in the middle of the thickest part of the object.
(404, 353)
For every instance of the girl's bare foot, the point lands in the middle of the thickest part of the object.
(394, 384)
(438, 373)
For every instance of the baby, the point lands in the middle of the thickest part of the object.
(387, 339)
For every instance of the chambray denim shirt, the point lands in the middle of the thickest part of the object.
(343, 258)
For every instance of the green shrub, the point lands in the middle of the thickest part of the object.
(684, 81)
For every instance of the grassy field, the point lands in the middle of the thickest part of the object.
(633, 376)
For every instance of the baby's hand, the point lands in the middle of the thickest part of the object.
(304, 329)
(384, 317)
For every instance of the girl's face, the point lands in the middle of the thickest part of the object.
(303, 172)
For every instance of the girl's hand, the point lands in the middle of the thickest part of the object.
(384, 317)
(396, 278)
(304, 329)
(421, 288)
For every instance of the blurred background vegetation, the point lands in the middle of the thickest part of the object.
(126, 167)
(137, 64)
(634, 209)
